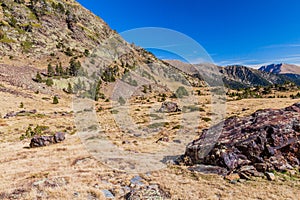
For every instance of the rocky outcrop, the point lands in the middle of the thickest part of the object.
(168, 107)
(20, 113)
(265, 141)
(40, 141)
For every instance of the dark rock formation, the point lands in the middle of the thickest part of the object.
(168, 107)
(20, 113)
(40, 141)
(264, 141)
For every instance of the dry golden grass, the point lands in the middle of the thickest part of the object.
(71, 172)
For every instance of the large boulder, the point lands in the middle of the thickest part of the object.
(40, 141)
(265, 141)
(168, 107)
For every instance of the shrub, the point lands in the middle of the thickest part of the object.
(74, 67)
(55, 100)
(86, 52)
(38, 78)
(121, 101)
(206, 119)
(69, 52)
(21, 105)
(70, 89)
(38, 130)
(49, 82)
(50, 70)
(181, 92)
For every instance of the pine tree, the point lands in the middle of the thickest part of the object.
(57, 72)
(50, 70)
(55, 100)
(70, 88)
(38, 78)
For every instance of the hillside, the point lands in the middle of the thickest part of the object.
(61, 33)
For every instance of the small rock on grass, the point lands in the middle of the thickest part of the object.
(270, 176)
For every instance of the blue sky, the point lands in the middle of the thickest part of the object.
(245, 32)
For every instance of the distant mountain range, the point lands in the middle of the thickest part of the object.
(287, 70)
(238, 76)
(281, 68)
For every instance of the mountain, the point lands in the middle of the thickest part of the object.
(237, 76)
(292, 72)
(234, 76)
(281, 68)
(36, 34)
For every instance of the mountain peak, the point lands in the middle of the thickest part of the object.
(281, 68)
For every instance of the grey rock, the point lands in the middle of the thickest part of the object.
(108, 194)
(168, 107)
(270, 176)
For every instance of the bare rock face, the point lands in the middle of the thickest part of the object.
(264, 141)
(40, 141)
(168, 107)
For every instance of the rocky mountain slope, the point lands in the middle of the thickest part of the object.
(235, 76)
(37, 33)
(281, 68)
(286, 70)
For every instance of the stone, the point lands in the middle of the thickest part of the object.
(59, 137)
(19, 113)
(108, 194)
(40, 141)
(270, 176)
(267, 140)
(168, 107)
(232, 176)
(147, 192)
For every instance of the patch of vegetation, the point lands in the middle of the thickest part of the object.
(30, 132)
(110, 73)
(49, 82)
(192, 108)
(6, 40)
(260, 92)
(206, 119)
(38, 78)
(26, 45)
(114, 112)
(155, 116)
(86, 53)
(121, 101)
(158, 125)
(55, 100)
(177, 127)
(297, 96)
(181, 92)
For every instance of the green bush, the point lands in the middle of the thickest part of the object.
(181, 92)
(38, 78)
(121, 101)
(38, 130)
(49, 82)
(55, 100)
(70, 89)
(50, 70)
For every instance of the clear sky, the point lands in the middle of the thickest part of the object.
(250, 32)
